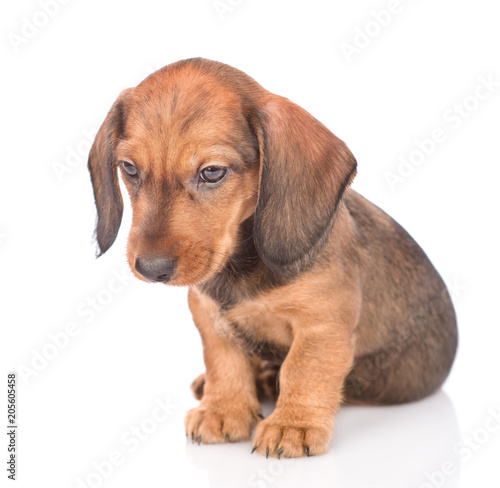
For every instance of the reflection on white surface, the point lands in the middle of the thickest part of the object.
(397, 446)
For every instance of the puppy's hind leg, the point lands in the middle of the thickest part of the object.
(198, 385)
(266, 380)
(411, 366)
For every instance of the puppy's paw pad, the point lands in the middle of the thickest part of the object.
(291, 439)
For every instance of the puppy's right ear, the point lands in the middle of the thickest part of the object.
(103, 172)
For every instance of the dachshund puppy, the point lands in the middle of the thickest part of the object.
(296, 282)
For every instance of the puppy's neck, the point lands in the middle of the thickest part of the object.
(244, 275)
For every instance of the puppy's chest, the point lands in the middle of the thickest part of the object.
(258, 328)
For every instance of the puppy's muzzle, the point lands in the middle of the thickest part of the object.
(156, 268)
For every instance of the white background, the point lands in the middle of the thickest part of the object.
(80, 407)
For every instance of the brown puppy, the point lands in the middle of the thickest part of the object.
(243, 196)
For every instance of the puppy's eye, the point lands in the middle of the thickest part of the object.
(130, 169)
(212, 174)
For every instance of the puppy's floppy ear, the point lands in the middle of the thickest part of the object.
(304, 172)
(103, 173)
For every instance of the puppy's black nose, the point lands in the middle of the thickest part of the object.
(156, 268)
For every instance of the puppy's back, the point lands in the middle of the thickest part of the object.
(407, 336)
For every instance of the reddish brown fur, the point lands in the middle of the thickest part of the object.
(289, 270)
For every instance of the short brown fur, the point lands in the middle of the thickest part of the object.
(298, 286)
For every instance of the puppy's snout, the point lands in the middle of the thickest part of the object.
(156, 268)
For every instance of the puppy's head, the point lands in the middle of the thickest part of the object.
(201, 148)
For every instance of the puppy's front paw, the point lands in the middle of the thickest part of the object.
(285, 436)
(220, 421)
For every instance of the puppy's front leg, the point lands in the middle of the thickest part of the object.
(311, 381)
(229, 408)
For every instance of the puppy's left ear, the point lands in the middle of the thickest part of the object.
(103, 172)
(305, 170)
